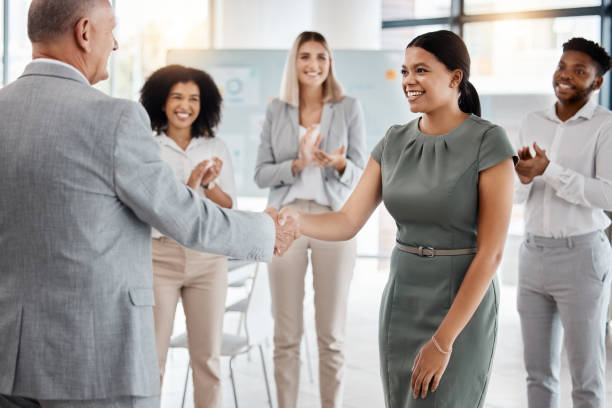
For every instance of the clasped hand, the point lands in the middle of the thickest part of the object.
(530, 166)
(205, 172)
(287, 228)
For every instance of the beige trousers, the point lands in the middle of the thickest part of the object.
(200, 279)
(332, 268)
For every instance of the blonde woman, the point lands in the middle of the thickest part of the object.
(311, 155)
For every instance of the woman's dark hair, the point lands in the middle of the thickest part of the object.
(450, 50)
(155, 91)
(593, 50)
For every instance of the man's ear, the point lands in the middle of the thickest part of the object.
(597, 83)
(82, 34)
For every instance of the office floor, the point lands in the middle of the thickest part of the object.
(362, 381)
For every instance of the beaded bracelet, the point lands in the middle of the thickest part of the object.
(435, 342)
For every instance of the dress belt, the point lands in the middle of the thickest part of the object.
(431, 252)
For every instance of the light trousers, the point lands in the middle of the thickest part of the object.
(332, 270)
(564, 290)
(8, 401)
(200, 279)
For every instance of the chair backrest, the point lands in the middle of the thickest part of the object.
(258, 315)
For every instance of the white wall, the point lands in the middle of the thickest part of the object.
(276, 23)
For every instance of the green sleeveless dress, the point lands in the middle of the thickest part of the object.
(430, 187)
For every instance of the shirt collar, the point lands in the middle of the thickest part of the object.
(62, 63)
(166, 140)
(585, 112)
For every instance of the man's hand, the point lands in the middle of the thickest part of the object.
(529, 166)
(287, 230)
(336, 159)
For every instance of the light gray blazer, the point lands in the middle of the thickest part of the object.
(81, 182)
(341, 124)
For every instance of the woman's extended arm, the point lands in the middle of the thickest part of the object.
(495, 189)
(345, 223)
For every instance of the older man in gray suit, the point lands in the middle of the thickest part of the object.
(81, 183)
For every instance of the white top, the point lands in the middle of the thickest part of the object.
(58, 62)
(184, 161)
(309, 182)
(569, 198)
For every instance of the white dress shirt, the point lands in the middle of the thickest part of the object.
(569, 198)
(184, 161)
(309, 182)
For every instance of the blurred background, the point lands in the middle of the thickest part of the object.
(514, 45)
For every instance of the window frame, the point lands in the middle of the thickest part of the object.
(457, 18)
(5, 41)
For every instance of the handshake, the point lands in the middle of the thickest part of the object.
(287, 228)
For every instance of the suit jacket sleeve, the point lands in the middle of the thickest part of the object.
(269, 173)
(147, 185)
(356, 149)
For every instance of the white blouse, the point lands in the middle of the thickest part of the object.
(184, 161)
(309, 182)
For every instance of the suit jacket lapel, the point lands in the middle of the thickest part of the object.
(294, 119)
(326, 120)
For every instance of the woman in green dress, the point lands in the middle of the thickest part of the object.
(447, 179)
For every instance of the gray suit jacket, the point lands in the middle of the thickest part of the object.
(341, 124)
(81, 182)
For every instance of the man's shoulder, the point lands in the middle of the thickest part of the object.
(603, 113)
(112, 108)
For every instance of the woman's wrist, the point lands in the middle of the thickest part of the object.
(444, 341)
(441, 349)
(209, 186)
(297, 165)
(340, 166)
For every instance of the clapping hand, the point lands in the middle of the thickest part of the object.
(287, 229)
(195, 178)
(308, 146)
(530, 166)
(336, 159)
(212, 171)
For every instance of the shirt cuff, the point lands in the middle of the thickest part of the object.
(344, 178)
(552, 173)
(270, 232)
(287, 177)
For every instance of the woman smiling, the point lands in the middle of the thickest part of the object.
(184, 105)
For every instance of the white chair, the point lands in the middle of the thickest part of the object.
(257, 325)
(240, 276)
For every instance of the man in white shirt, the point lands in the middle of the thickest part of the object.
(565, 260)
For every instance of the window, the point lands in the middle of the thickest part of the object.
(531, 49)
(409, 9)
(146, 34)
(398, 38)
(499, 6)
(1, 43)
(19, 46)
(511, 53)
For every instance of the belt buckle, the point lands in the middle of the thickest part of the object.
(421, 253)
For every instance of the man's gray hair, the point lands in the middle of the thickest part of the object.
(48, 19)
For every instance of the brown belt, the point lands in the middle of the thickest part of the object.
(431, 252)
